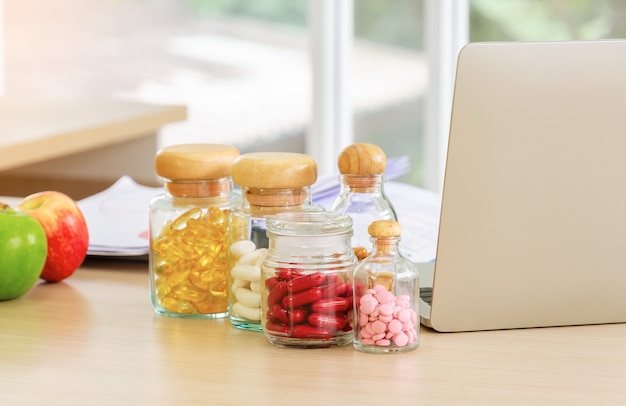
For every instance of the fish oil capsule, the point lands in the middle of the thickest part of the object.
(188, 230)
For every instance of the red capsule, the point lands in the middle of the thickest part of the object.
(277, 328)
(302, 298)
(279, 313)
(327, 321)
(306, 331)
(350, 291)
(297, 316)
(331, 305)
(271, 282)
(332, 278)
(288, 273)
(277, 293)
(305, 282)
(334, 289)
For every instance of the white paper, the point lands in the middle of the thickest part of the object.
(417, 209)
(117, 219)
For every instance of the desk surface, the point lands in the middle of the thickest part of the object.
(37, 130)
(94, 339)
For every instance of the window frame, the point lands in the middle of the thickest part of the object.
(446, 30)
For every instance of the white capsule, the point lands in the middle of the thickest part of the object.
(246, 312)
(262, 253)
(238, 283)
(248, 298)
(255, 286)
(242, 247)
(248, 273)
(252, 258)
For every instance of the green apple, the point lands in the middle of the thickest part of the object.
(23, 250)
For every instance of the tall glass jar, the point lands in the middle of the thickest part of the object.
(188, 230)
(271, 183)
(362, 178)
(307, 280)
(386, 298)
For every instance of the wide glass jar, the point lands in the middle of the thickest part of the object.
(188, 230)
(362, 196)
(307, 280)
(271, 183)
(386, 298)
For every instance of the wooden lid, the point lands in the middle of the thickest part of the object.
(384, 229)
(274, 170)
(195, 161)
(362, 159)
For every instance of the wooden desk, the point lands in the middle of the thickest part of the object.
(94, 340)
(95, 141)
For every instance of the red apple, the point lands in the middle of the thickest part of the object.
(66, 232)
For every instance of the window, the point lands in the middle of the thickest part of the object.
(244, 68)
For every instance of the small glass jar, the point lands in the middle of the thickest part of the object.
(271, 183)
(362, 177)
(188, 230)
(307, 280)
(386, 297)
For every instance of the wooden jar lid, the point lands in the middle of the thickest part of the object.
(385, 229)
(274, 170)
(362, 159)
(195, 161)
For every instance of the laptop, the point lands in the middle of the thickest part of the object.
(533, 219)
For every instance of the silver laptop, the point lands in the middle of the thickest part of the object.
(533, 218)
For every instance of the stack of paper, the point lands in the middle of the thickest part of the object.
(117, 219)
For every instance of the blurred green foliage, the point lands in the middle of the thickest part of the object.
(399, 22)
(547, 20)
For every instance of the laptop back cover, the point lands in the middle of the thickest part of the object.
(533, 221)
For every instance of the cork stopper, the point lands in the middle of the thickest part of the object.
(387, 234)
(385, 229)
(362, 159)
(194, 170)
(274, 170)
(195, 161)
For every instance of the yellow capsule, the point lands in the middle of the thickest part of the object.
(218, 288)
(212, 304)
(215, 216)
(196, 280)
(174, 305)
(188, 292)
(191, 262)
(182, 250)
(195, 241)
(165, 267)
(160, 245)
(162, 288)
(178, 277)
(206, 260)
(209, 274)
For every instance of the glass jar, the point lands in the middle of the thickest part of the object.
(271, 183)
(188, 230)
(362, 177)
(307, 280)
(386, 297)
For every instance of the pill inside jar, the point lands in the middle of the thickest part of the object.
(307, 289)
